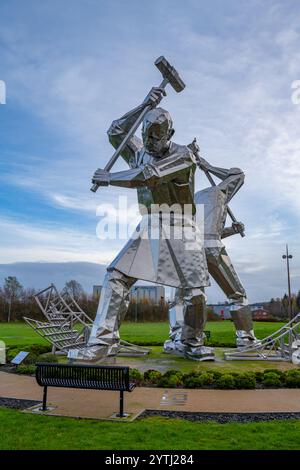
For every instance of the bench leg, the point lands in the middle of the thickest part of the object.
(122, 414)
(45, 399)
(121, 404)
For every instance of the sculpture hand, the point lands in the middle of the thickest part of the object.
(101, 177)
(154, 97)
(203, 164)
(238, 227)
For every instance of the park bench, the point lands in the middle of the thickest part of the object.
(86, 377)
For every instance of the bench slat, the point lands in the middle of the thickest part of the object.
(84, 376)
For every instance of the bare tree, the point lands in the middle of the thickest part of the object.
(73, 288)
(12, 291)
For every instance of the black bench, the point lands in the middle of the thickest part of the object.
(84, 376)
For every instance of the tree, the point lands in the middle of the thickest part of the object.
(74, 289)
(12, 291)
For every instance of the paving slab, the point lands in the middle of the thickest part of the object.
(105, 404)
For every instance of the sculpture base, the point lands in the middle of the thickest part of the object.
(198, 353)
(106, 353)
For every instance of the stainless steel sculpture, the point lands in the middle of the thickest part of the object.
(62, 313)
(215, 200)
(283, 345)
(68, 327)
(163, 174)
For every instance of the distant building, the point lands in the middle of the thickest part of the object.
(97, 291)
(223, 310)
(153, 294)
(259, 314)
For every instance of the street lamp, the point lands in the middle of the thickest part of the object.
(288, 257)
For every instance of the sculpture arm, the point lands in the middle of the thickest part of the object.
(232, 183)
(119, 129)
(232, 178)
(227, 232)
(153, 174)
(236, 227)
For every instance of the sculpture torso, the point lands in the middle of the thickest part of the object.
(179, 189)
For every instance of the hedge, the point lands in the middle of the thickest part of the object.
(214, 379)
(208, 379)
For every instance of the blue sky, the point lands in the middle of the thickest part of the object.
(71, 70)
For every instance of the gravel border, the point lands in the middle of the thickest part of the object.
(221, 418)
(17, 403)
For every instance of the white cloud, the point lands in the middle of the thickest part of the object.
(237, 102)
(55, 243)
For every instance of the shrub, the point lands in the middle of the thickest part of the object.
(172, 372)
(152, 376)
(259, 376)
(280, 373)
(217, 374)
(271, 380)
(171, 379)
(226, 381)
(11, 353)
(192, 381)
(34, 351)
(30, 359)
(245, 381)
(26, 369)
(47, 358)
(135, 376)
(169, 382)
(206, 379)
(38, 349)
(292, 378)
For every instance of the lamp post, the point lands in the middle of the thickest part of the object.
(287, 256)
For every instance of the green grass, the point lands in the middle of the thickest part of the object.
(25, 431)
(14, 334)
(221, 332)
(158, 360)
(21, 335)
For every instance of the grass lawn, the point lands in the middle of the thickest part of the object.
(221, 332)
(158, 360)
(20, 334)
(45, 432)
(15, 334)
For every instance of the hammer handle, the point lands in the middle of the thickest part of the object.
(130, 133)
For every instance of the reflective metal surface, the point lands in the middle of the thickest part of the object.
(160, 250)
(215, 200)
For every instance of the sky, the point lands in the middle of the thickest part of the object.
(70, 71)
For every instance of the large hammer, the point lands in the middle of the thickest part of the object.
(170, 75)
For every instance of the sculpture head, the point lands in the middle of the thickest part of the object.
(157, 131)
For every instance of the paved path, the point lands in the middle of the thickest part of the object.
(103, 404)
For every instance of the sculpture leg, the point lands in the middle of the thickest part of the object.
(114, 300)
(187, 317)
(176, 315)
(223, 272)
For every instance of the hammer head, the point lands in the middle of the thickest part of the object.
(169, 73)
